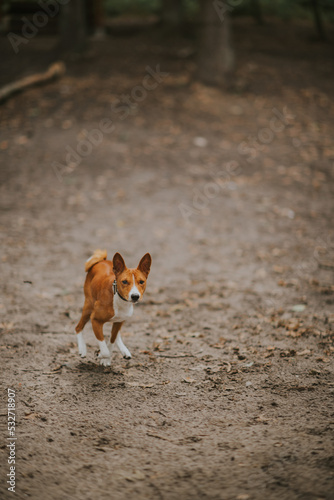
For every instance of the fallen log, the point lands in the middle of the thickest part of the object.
(55, 70)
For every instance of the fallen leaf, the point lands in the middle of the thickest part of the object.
(220, 344)
(288, 353)
(213, 369)
(31, 416)
(56, 368)
(262, 418)
(330, 318)
(292, 324)
(298, 307)
(7, 326)
(304, 353)
(157, 346)
(315, 372)
(279, 269)
(136, 476)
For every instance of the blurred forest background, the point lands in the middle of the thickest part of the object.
(207, 21)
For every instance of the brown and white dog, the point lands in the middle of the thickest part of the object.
(110, 289)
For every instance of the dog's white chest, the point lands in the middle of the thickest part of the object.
(123, 310)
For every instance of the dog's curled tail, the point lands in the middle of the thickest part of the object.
(97, 256)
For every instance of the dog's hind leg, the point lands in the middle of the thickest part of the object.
(86, 312)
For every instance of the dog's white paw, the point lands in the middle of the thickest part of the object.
(104, 354)
(105, 361)
(83, 352)
(126, 354)
(124, 351)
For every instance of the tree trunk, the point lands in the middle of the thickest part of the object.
(172, 12)
(319, 25)
(73, 26)
(99, 16)
(216, 57)
(257, 11)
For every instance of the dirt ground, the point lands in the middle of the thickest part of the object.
(229, 393)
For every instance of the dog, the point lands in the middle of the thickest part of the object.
(111, 290)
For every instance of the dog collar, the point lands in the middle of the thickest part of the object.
(114, 287)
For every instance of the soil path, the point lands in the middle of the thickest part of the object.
(229, 394)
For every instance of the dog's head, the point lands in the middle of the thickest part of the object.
(131, 283)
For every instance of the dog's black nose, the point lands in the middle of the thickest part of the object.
(135, 297)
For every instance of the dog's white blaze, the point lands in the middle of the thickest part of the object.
(134, 289)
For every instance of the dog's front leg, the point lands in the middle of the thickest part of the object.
(124, 350)
(81, 345)
(104, 351)
(117, 339)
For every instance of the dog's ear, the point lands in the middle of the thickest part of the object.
(145, 264)
(118, 264)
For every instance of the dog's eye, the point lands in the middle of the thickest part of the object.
(125, 282)
(141, 282)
